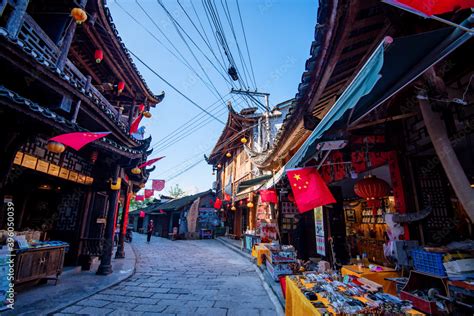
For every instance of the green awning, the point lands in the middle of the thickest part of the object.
(244, 185)
(385, 73)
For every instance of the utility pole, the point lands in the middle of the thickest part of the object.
(266, 114)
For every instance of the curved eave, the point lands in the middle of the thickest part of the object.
(129, 70)
(234, 125)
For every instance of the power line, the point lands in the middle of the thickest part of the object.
(231, 24)
(174, 88)
(182, 59)
(246, 43)
(175, 24)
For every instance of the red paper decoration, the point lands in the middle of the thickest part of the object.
(120, 86)
(98, 55)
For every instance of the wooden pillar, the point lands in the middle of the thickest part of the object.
(105, 266)
(16, 18)
(120, 253)
(67, 40)
(447, 156)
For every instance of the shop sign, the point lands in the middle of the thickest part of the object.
(319, 228)
(193, 216)
(42, 166)
(100, 220)
(53, 170)
(29, 162)
(64, 173)
(73, 176)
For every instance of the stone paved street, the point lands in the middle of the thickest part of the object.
(192, 277)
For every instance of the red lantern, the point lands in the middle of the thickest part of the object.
(94, 156)
(120, 86)
(98, 55)
(142, 214)
(372, 189)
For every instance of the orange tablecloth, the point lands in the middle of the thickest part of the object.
(298, 305)
(258, 251)
(377, 277)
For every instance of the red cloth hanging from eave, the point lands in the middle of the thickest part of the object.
(269, 196)
(135, 124)
(77, 140)
(218, 204)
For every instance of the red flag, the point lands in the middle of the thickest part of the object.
(150, 162)
(158, 185)
(217, 204)
(309, 189)
(139, 198)
(135, 124)
(141, 108)
(269, 196)
(432, 7)
(148, 193)
(226, 197)
(79, 139)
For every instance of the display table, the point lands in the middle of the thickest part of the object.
(297, 304)
(259, 251)
(375, 276)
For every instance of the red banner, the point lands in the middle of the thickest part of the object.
(125, 213)
(269, 196)
(433, 7)
(150, 162)
(218, 204)
(148, 193)
(158, 185)
(135, 124)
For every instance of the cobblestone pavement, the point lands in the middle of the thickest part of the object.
(188, 277)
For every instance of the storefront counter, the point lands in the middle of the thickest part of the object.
(375, 276)
(297, 304)
(250, 240)
(34, 264)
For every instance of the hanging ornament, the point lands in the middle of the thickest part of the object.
(94, 156)
(219, 166)
(116, 186)
(79, 15)
(120, 86)
(250, 204)
(55, 147)
(213, 173)
(228, 155)
(136, 170)
(243, 140)
(372, 189)
(98, 55)
(233, 208)
(147, 114)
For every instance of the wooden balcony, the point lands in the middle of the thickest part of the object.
(33, 39)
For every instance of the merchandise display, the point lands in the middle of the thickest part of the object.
(333, 294)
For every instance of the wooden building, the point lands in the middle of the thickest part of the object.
(61, 76)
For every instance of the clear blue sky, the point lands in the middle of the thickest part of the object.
(279, 35)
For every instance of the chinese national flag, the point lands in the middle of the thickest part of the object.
(309, 189)
(433, 7)
(158, 185)
(79, 139)
(148, 193)
(269, 196)
(218, 204)
(139, 198)
(135, 124)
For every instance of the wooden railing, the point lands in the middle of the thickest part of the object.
(42, 46)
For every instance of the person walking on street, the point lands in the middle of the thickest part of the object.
(149, 230)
